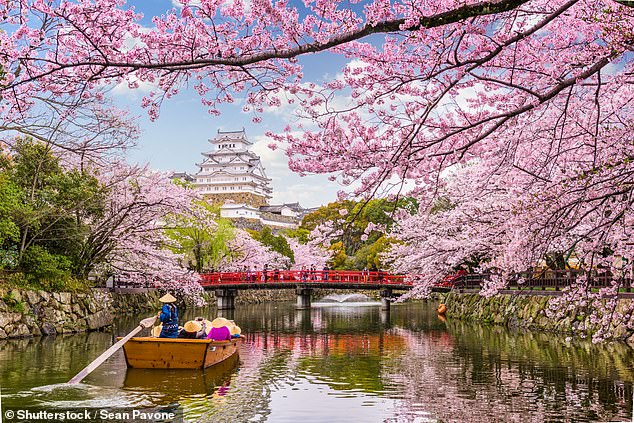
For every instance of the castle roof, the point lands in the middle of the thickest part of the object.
(224, 136)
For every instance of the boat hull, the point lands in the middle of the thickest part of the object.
(175, 353)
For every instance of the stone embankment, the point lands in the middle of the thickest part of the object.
(34, 313)
(133, 302)
(534, 312)
(26, 313)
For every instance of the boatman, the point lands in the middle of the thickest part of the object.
(169, 317)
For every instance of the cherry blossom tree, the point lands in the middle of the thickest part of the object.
(537, 93)
(90, 128)
(247, 254)
(129, 241)
(506, 220)
(428, 85)
(309, 254)
(473, 220)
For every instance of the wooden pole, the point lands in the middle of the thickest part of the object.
(144, 324)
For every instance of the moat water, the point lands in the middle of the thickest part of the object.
(339, 363)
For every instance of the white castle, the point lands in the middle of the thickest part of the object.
(231, 172)
(233, 176)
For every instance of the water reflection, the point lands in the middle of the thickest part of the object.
(175, 385)
(343, 363)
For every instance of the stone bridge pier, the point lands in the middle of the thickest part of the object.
(303, 297)
(226, 299)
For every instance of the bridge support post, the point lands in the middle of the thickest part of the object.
(225, 299)
(385, 317)
(303, 298)
(386, 294)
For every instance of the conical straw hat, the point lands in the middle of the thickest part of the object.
(235, 330)
(167, 298)
(192, 326)
(219, 322)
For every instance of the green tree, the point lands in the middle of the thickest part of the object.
(352, 218)
(339, 257)
(276, 243)
(300, 234)
(10, 202)
(51, 213)
(375, 251)
(201, 236)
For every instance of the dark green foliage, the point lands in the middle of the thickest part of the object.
(300, 234)
(45, 268)
(43, 213)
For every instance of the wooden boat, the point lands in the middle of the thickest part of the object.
(177, 353)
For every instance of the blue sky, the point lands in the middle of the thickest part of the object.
(176, 139)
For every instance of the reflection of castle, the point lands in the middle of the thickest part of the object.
(233, 176)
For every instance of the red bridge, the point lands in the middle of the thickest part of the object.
(227, 284)
(275, 279)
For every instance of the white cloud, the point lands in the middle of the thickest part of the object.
(289, 187)
(177, 3)
(197, 3)
(309, 191)
(122, 89)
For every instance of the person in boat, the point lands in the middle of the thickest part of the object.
(206, 326)
(234, 329)
(192, 330)
(168, 316)
(220, 330)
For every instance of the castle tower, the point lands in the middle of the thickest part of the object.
(231, 173)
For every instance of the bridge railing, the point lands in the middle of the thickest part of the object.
(539, 280)
(303, 276)
(548, 280)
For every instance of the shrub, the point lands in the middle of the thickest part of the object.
(50, 271)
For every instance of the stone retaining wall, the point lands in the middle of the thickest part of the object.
(532, 312)
(33, 313)
(135, 303)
